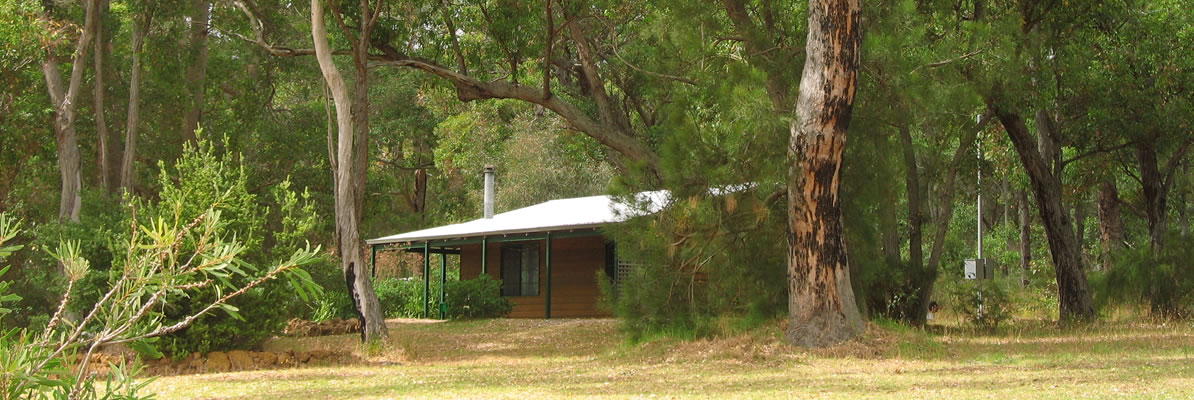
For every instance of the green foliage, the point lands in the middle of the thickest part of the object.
(54, 361)
(984, 304)
(477, 298)
(403, 298)
(1164, 279)
(472, 298)
(206, 177)
(704, 259)
(331, 302)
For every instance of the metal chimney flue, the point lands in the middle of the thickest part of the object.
(489, 192)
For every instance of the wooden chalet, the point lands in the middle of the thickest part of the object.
(546, 255)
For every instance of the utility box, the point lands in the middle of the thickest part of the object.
(979, 269)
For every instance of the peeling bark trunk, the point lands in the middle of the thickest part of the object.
(1111, 226)
(1074, 297)
(128, 175)
(348, 239)
(65, 102)
(196, 74)
(1025, 239)
(821, 305)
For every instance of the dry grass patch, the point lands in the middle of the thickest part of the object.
(527, 359)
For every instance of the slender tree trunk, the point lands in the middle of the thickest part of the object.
(1025, 239)
(1155, 192)
(128, 175)
(822, 309)
(103, 154)
(1080, 220)
(65, 101)
(1074, 297)
(890, 235)
(356, 273)
(196, 74)
(1111, 226)
(924, 289)
(919, 276)
(1183, 212)
(1006, 196)
(360, 113)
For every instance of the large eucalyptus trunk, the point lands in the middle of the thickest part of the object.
(128, 176)
(348, 240)
(196, 73)
(821, 305)
(65, 103)
(1074, 297)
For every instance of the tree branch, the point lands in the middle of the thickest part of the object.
(1096, 151)
(1174, 161)
(469, 88)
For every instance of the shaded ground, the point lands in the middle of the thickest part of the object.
(519, 359)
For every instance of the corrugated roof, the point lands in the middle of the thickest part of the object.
(564, 214)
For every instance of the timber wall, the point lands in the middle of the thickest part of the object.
(574, 265)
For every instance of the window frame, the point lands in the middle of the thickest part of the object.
(520, 288)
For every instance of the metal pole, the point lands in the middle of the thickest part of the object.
(980, 264)
(484, 255)
(373, 262)
(443, 284)
(426, 278)
(548, 262)
(980, 200)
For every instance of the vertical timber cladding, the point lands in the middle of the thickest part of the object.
(574, 265)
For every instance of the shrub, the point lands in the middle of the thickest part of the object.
(473, 298)
(55, 361)
(477, 298)
(332, 302)
(403, 297)
(206, 178)
(984, 304)
(1164, 279)
(701, 263)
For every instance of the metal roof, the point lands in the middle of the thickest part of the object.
(556, 215)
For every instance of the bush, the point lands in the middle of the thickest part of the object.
(267, 228)
(477, 298)
(1164, 279)
(984, 304)
(473, 298)
(403, 297)
(703, 264)
(333, 302)
(56, 361)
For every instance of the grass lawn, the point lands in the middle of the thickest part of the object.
(521, 359)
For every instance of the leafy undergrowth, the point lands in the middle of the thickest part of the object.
(520, 359)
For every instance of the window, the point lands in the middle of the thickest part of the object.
(520, 270)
